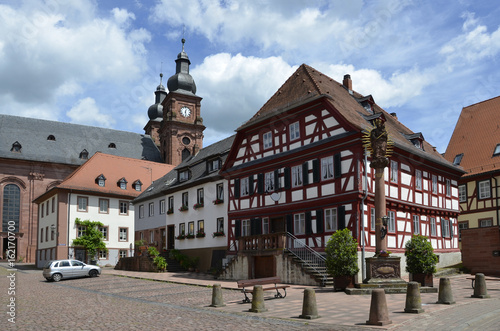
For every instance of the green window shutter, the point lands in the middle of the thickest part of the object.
(237, 228)
(237, 188)
(276, 180)
(260, 183)
(289, 223)
(308, 222)
(337, 166)
(250, 185)
(341, 218)
(320, 226)
(316, 171)
(288, 180)
(305, 173)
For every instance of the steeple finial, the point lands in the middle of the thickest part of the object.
(183, 42)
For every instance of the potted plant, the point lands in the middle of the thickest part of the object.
(218, 234)
(183, 208)
(197, 205)
(200, 234)
(420, 260)
(217, 201)
(342, 259)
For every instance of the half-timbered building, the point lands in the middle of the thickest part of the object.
(296, 175)
(475, 145)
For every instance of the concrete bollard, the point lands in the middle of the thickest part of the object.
(413, 300)
(480, 290)
(258, 305)
(217, 300)
(309, 307)
(379, 315)
(445, 295)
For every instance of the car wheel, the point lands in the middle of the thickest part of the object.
(56, 277)
(93, 273)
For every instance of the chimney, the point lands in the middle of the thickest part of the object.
(347, 82)
(394, 115)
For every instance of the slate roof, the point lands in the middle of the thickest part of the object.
(70, 141)
(307, 84)
(476, 135)
(113, 168)
(196, 164)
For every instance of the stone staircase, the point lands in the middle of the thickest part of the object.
(314, 269)
(172, 265)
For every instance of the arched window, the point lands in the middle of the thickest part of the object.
(185, 154)
(11, 208)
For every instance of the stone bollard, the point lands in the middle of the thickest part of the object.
(379, 315)
(258, 300)
(445, 295)
(413, 300)
(217, 300)
(480, 290)
(309, 307)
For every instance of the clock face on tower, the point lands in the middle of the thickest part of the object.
(185, 111)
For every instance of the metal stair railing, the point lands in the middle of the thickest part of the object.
(307, 255)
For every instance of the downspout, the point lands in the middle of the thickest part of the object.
(67, 236)
(362, 209)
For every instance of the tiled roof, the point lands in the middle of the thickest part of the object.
(307, 84)
(114, 168)
(68, 141)
(476, 135)
(197, 166)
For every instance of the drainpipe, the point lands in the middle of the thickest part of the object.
(496, 198)
(362, 208)
(67, 223)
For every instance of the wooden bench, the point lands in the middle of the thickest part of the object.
(244, 284)
(485, 278)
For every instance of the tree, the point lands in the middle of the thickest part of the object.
(91, 239)
(342, 254)
(420, 257)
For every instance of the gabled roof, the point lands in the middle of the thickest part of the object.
(112, 168)
(57, 142)
(307, 84)
(476, 135)
(196, 165)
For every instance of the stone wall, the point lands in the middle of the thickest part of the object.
(136, 263)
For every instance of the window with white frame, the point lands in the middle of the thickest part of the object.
(80, 231)
(416, 224)
(182, 229)
(123, 253)
(394, 171)
(434, 184)
(200, 197)
(265, 225)
(294, 131)
(162, 206)
(418, 179)
(244, 187)
(151, 209)
(299, 221)
(191, 228)
(183, 175)
(245, 228)
(103, 254)
(185, 199)
(372, 219)
(123, 234)
(484, 189)
(448, 187)
(446, 227)
(104, 231)
(462, 226)
(268, 140)
(152, 236)
(220, 191)
(297, 176)
(391, 223)
(331, 219)
(462, 193)
(171, 204)
(103, 206)
(213, 165)
(269, 181)
(485, 222)
(220, 225)
(83, 203)
(141, 211)
(123, 207)
(327, 167)
(433, 226)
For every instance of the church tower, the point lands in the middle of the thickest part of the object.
(175, 118)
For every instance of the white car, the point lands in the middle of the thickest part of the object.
(59, 269)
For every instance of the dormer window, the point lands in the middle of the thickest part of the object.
(417, 143)
(417, 139)
(367, 103)
(496, 152)
(84, 155)
(213, 165)
(122, 183)
(101, 180)
(183, 175)
(458, 159)
(51, 137)
(367, 106)
(137, 185)
(112, 145)
(16, 147)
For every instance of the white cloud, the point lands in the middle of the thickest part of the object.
(87, 112)
(122, 16)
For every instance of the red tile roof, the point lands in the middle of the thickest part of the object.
(114, 168)
(307, 83)
(476, 135)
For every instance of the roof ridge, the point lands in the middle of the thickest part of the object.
(315, 83)
(477, 103)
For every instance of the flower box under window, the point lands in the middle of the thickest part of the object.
(219, 234)
(183, 208)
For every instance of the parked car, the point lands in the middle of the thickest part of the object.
(59, 269)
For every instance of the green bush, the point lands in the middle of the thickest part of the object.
(420, 257)
(160, 263)
(152, 251)
(342, 254)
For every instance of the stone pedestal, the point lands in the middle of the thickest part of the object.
(384, 271)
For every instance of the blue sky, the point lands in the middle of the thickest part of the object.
(98, 62)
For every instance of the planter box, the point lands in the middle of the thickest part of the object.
(424, 279)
